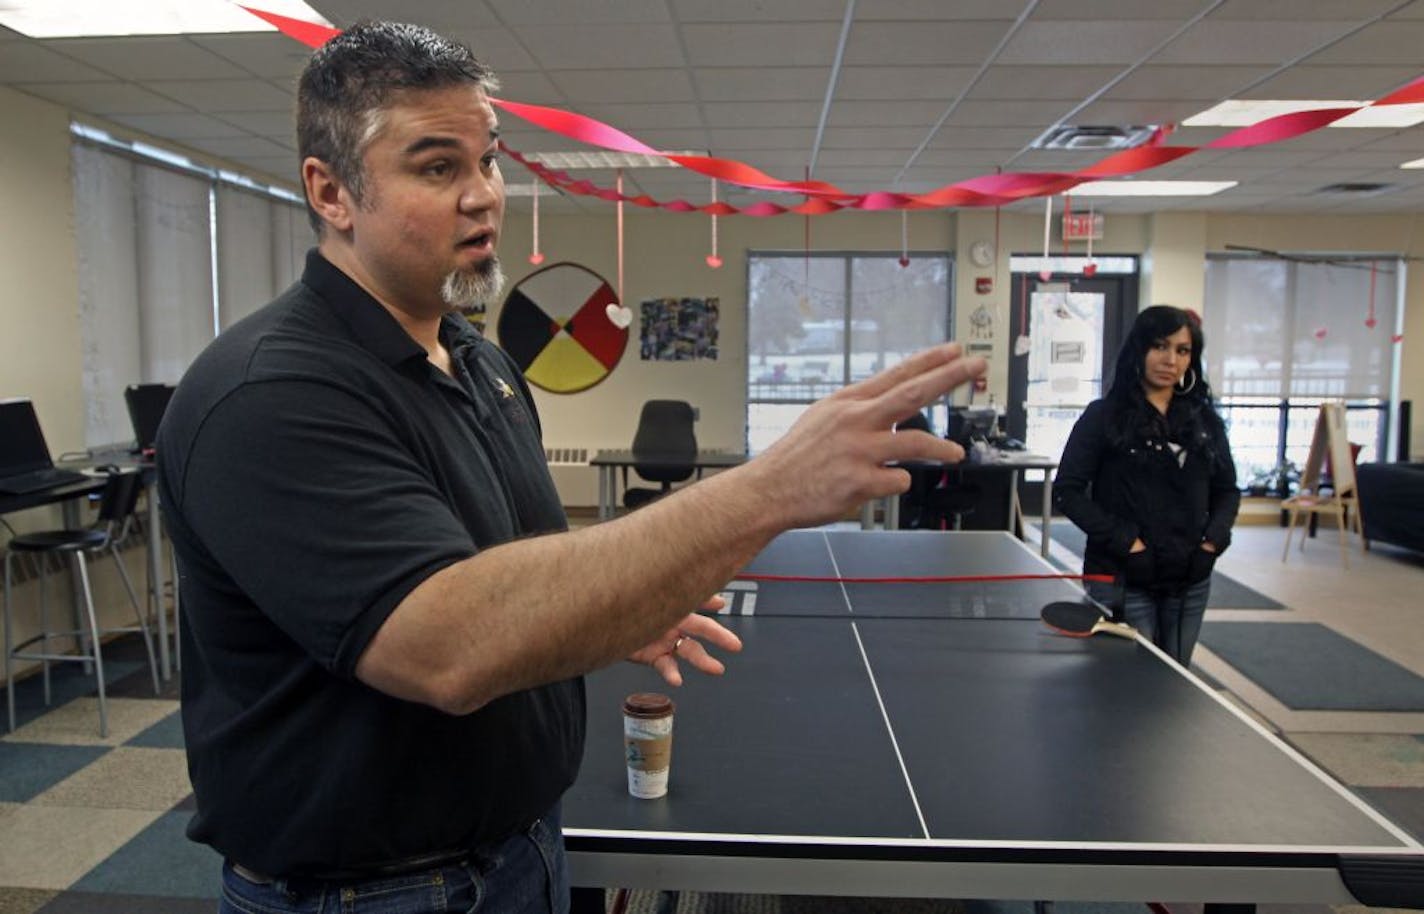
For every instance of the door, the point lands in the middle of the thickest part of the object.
(1074, 328)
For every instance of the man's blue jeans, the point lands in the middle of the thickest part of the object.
(526, 874)
(1170, 620)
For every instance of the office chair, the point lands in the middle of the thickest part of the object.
(667, 447)
(116, 509)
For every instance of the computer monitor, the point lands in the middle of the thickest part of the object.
(973, 423)
(22, 443)
(146, 403)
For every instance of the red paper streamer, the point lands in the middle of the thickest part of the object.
(821, 197)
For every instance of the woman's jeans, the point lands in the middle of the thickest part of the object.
(525, 874)
(1172, 620)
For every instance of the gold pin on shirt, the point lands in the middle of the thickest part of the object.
(503, 387)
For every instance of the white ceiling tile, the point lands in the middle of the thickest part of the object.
(873, 115)
(977, 160)
(1234, 42)
(935, 9)
(1339, 82)
(1342, 10)
(104, 98)
(732, 84)
(1111, 10)
(275, 124)
(531, 87)
(499, 49)
(1038, 115)
(906, 138)
(1405, 141)
(602, 86)
(675, 138)
(1138, 111)
(538, 12)
(1393, 42)
(1009, 138)
(432, 13)
(880, 158)
(1414, 10)
(148, 57)
(558, 46)
(897, 83)
(223, 94)
(732, 138)
(758, 10)
(1083, 42)
(1206, 83)
(1041, 83)
(271, 56)
(762, 114)
(28, 61)
(180, 126)
(923, 43)
(761, 45)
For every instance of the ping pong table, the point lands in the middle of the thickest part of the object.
(935, 740)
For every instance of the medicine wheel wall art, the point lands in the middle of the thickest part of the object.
(555, 326)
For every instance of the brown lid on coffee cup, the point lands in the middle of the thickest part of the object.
(647, 704)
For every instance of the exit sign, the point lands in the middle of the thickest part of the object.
(1082, 226)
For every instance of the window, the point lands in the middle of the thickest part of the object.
(1284, 334)
(818, 322)
(155, 284)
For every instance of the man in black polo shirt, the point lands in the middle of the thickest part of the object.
(385, 622)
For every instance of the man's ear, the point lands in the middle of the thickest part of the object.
(326, 194)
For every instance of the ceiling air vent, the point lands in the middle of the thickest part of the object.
(1067, 136)
(1357, 189)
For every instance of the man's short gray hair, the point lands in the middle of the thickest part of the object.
(352, 79)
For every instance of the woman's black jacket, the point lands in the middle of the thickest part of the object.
(1145, 490)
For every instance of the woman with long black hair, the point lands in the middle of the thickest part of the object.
(1147, 475)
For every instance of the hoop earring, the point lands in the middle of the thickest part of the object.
(1188, 388)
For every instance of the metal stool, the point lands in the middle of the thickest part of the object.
(116, 507)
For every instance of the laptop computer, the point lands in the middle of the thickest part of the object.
(25, 464)
(146, 403)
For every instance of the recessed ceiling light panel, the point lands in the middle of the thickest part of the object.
(1239, 112)
(1151, 188)
(94, 18)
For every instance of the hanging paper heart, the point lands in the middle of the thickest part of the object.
(1320, 333)
(714, 261)
(1397, 338)
(1370, 322)
(536, 259)
(1045, 275)
(903, 261)
(1021, 345)
(618, 315)
(1090, 269)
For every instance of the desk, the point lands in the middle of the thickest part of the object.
(609, 462)
(1011, 462)
(936, 740)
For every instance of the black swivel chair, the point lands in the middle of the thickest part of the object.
(667, 447)
(116, 508)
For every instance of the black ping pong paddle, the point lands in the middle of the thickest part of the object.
(1080, 620)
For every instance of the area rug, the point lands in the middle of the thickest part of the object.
(1309, 667)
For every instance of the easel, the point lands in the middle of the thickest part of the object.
(1343, 500)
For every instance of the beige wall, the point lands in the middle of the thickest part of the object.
(39, 291)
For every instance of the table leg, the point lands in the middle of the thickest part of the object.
(156, 579)
(892, 512)
(605, 494)
(69, 510)
(1047, 515)
(867, 515)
